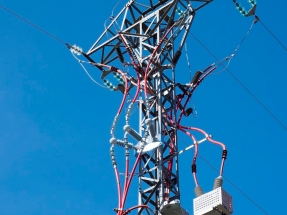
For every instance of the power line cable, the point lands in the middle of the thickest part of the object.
(237, 188)
(232, 75)
(271, 33)
(229, 181)
(54, 37)
(32, 24)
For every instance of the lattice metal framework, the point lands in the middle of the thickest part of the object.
(152, 31)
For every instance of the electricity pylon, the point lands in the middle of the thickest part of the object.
(151, 35)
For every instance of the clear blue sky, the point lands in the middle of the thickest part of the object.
(55, 122)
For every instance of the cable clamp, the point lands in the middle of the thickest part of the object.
(224, 154)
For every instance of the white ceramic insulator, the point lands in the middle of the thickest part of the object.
(151, 128)
(132, 132)
(128, 114)
(122, 143)
(113, 128)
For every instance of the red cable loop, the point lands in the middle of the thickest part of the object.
(210, 140)
(195, 153)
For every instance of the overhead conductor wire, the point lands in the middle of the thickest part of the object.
(32, 24)
(237, 188)
(271, 33)
(256, 100)
(132, 173)
(262, 105)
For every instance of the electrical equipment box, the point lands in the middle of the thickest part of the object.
(215, 202)
(173, 208)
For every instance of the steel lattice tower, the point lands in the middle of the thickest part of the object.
(152, 33)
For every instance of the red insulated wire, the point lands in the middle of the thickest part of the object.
(210, 140)
(195, 86)
(194, 129)
(126, 174)
(125, 93)
(168, 117)
(179, 102)
(135, 66)
(129, 51)
(217, 143)
(206, 135)
(138, 89)
(129, 182)
(126, 87)
(195, 153)
(119, 112)
(222, 167)
(118, 186)
(135, 207)
(223, 159)
(170, 164)
(133, 101)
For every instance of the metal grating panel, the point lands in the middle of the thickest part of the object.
(217, 198)
(226, 200)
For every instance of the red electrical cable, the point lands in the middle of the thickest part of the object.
(133, 101)
(118, 113)
(169, 168)
(129, 51)
(126, 85)
(135, 207)
(210, 140)
(223, 159)
(194, 87)
(118, 186)
(129, 182)
(135, 66)
(222, 166)
(195, 153)
(138, 89)
(217, 143)
(126, 174)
